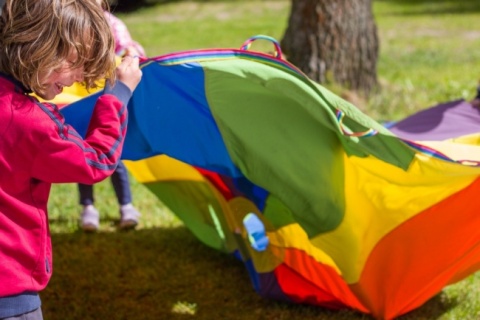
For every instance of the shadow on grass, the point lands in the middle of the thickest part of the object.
(432, 309)
(143, 274)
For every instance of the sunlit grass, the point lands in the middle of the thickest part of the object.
(192, 25)
(429, 54)
(182, 307)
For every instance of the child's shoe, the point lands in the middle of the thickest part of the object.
(129, 217)
(90, 219)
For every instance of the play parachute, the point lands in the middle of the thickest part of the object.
(324, 205)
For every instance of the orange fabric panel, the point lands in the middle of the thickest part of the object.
(305, 280)
(397, 277)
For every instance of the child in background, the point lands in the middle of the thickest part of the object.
(129, 215)
(124, 44)
(46, 45)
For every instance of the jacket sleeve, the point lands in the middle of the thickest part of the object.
(64, 157)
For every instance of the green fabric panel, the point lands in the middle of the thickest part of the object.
(277, 213)
(281, 131)
(280, 140)
(384, 145)
(190, 201)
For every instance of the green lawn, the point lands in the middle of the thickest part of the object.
(429, 51)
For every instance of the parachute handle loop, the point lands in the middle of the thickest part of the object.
(278, 51)
(257, 235)
(368, 133)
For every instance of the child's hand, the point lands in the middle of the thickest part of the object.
(132, 51)
(128, 72)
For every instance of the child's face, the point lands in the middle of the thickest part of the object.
(64, 76)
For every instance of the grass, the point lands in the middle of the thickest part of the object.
(428, 54)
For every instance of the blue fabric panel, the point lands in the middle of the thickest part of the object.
(168, 114)
(78, 114)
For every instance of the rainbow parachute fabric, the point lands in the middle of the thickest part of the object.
(324, 205)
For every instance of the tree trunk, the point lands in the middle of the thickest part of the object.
(334, 40)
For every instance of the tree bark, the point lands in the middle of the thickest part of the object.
(334, 40)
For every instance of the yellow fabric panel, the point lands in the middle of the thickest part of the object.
(473, 139)
(380, 197)
(458, 149)
(70, 94)
(160, 168)
(73, 93)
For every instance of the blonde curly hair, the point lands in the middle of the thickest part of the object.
(37, 36)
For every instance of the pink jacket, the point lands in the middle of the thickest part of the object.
(123, 39)
(37, 149)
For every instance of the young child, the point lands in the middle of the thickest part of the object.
(46, 45)
(129, 215)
